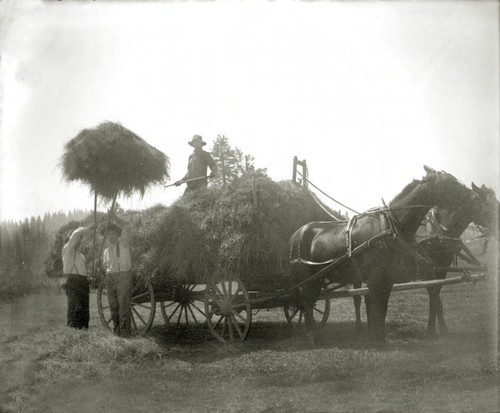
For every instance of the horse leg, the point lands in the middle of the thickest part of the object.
(357, 309)
(379, 292)
(309, 295)
(368, 311)
(433, 298)
(436, 309)
(443, 329)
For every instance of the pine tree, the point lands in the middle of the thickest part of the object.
(231, 162)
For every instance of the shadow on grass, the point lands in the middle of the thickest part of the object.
(195, 343)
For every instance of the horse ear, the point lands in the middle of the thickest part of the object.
(428, 169)
(475, 187)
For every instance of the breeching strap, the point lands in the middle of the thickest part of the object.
(332, 263)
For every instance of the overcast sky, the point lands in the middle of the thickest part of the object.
(366, 92)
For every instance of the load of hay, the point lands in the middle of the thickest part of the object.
(243, 229)
(112, 159)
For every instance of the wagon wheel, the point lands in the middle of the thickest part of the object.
(228, 310)
(184, 308)
(321, 311)
(142, 302)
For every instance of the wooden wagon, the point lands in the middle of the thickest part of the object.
(227, 301)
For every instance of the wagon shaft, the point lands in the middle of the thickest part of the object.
(407, 286)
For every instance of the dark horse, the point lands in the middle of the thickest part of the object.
(377, 247)
(443, 243)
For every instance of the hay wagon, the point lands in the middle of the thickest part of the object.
(226, 304)
(227, 300)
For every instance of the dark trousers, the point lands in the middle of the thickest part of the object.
(119, 288)
(195, 185)
(77, 292)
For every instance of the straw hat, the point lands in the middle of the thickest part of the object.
(110, 227)
(197, 139)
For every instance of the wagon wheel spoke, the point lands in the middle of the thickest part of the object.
(134, 325)
(230, 328)
(318, 311)
(224, 289)
(175, 310)
(236, 294)
(170, 305)
(219, 292)
(218, 322)
(109, 321)
(296, 310)
(236, 327)
(180, 315)
(235, 313)
(197, 309)
(142, 306)
(192, 314)
(135, 297)
(223, 327)
(138, 315)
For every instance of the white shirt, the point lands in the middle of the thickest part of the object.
(73, 261)
(116, 257)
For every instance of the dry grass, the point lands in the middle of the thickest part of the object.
(49, 367)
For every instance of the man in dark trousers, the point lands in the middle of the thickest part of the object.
(77, 282)
(117, 263)
(198, 163)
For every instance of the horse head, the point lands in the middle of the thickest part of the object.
(488, 213)
(447, 192)
(436, 188)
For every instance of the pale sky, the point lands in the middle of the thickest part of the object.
(366, 92)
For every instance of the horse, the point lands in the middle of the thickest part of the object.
(377, 247)
(444, 243)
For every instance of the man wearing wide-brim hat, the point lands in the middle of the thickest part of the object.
(199, 162)
(117, 264)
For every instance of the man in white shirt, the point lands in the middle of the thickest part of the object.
(117, 264)
(77, 282)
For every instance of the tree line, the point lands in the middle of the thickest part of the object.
(24, 247)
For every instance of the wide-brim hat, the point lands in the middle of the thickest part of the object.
(197, 139)
(111, 227)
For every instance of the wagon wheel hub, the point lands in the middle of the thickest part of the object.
(225, 307)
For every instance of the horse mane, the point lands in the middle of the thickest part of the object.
(406, 190)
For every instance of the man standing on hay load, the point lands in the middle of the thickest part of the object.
(199, 161)
(117, 264)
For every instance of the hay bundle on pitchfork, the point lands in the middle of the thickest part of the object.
(113, 161)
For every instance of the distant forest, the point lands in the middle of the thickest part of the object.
(24, 247)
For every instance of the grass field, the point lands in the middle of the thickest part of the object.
(46, 367)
